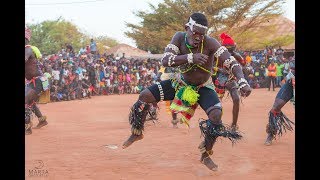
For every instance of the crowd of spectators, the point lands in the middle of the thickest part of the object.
(77, 75)
(87, 73)
(262, 61)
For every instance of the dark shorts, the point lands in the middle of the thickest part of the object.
(286, 91)
(208, 97)
(37, 86)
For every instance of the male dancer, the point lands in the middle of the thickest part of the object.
(278, 122)
(36, 82)
(224, 80)
(193, 53)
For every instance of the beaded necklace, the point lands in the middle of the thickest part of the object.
(191, 67)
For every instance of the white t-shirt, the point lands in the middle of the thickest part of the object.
(56, 75)
(290, 75)
(286, 67)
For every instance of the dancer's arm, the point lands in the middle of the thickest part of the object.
(231, 65)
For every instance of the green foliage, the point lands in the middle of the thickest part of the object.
(103, 42)
(52, 36)
(155, 30)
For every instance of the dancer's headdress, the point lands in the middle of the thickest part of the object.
(192, 23)
(226, 40)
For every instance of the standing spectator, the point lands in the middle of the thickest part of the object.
(93, 47)
(272, 75)
(279, 53)
(69, 48)
(248, 58)
(88, 50)
(286, 68)
(279, 74)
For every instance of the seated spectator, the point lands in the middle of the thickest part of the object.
(121, 88)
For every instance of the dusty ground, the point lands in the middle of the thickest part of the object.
(74, 144)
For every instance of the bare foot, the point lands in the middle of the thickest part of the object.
(206, 160)
(268, 140)
(234, 127)
(131, 140)
(28, 129)
(175, 126)
(41, 124)
(174, 123)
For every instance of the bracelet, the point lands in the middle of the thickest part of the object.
(190, 58)
(243, 85)
(174, 48)
(242, 80)
(220, 50)
(233, 65)
(228, 62)
(171, 60)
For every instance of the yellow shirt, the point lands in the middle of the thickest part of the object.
(162, 69)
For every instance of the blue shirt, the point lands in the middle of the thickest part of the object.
(101, 75)
(93, 46)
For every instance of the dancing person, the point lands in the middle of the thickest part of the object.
(36, 83)
(224, 80)
(192, 52)
(278, 122)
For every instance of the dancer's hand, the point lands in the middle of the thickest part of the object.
(200, 58)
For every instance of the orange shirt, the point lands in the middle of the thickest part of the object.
(248, 59)
(272, 70)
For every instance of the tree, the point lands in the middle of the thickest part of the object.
(103, 41)
(158, 26)
(52, 36)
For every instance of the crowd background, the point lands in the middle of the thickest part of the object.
(86, 73)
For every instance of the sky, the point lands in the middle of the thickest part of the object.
(102, 17)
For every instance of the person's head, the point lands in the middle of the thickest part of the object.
(228, 42)
(196, 28)
(64, 65)
(27, 35)
(91, 40)
(55, 82)
(76, 77)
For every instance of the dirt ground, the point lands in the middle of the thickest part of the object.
(81, 140)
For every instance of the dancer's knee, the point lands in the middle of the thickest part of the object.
(146, 96)
(214, 113)
(30, 96)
